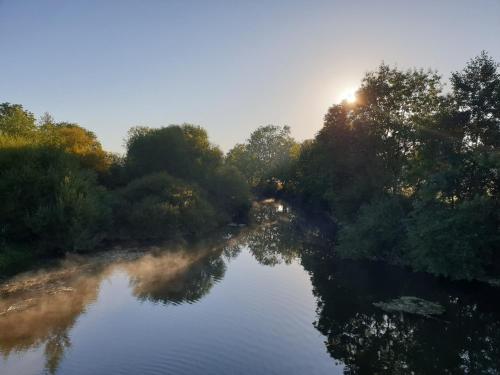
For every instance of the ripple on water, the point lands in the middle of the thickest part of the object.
(175, 314)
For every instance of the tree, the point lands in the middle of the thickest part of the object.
(15, 121)
(342, 169)
(411, 173)
(49, 199)
(159, 206)
(229, 192)
(456, 241)
(76, 140)
(182, 151)
(266, 155)
(378, 231)
(476, 91)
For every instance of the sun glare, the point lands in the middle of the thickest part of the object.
(349, 95)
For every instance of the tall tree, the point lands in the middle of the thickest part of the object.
(267, 153)
(16, 121)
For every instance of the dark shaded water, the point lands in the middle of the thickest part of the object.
(265, 300)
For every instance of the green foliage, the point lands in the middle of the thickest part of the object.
(229, 192)
(15, 121)
(185, 152)
(433, 156)
(377, 233)
(457, 240)
(266, 157)
(171, 184)
(476, 91)
(342, 168)
(159, 206)
(78, 141)
(182, 151)
(115, 175)
(48, 198)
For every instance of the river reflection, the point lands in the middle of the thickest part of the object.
(39, 309)
(192, 279)
(281, 305)
(466, 340)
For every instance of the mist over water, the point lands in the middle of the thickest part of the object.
(265, 299)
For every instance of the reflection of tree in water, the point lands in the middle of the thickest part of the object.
(41, 309)
(232, 248)
(183, 276)
(55, 347)
(274, 239)
(368, 341)
(189, 283)
(464, 341)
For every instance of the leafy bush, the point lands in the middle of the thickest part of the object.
(172, 183)
(377, 233)
(458, 241)
(77, 141)
(48, 198)
(15, 121)
(185, 153)
(230, 193)
(159, 206)
(266, 157)
(182, 151)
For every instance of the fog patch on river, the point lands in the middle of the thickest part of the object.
(41, 307)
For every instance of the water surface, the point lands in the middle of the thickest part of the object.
(263, 300)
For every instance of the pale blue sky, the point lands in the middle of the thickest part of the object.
(229, 66)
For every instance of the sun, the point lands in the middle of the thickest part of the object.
(349, 95)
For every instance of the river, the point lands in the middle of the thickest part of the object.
(267, 299)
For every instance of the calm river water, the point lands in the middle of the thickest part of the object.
(260, 300)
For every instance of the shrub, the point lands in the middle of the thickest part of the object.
(230, 193)
(181, 151)
(48, 198)
(378, 231)
(453, 240)
(159, 206)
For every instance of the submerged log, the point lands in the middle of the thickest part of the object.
(411, 305)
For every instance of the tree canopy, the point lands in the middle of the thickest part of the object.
(266, 155)
(410, 172)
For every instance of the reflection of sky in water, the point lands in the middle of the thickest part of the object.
(23, 363)
(257, 319)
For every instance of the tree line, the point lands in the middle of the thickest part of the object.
(61, 192)
(409, 171)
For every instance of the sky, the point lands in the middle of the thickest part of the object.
(229, 66)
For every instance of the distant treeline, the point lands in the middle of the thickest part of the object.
(409, 171)
(61, 192)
